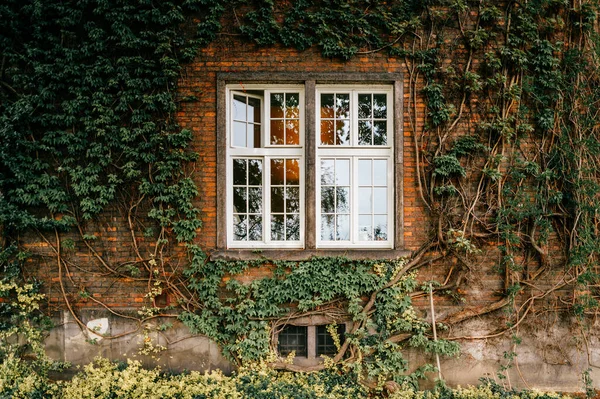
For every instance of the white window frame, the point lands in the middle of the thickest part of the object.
(266, 152)
(354, 152)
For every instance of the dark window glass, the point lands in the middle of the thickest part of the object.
(325, 343)
(293, 338)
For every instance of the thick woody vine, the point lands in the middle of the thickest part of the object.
(508, 157)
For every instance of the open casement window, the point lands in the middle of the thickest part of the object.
(355, 171)
(265, 167)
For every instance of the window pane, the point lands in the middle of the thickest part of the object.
(240, 203)
(365, 132)
(254, 110)
(277, 228)
(364, 106)
(342, 199)
(380, 172)
(239, 171)
(364, 228)
(364, 172)
(277, 171)
(292, 200)
(380, 106)
(292, 105)
(292, 172)
(342, 228)
(292, 132)
(380, 197)
(327, 106)
(239, 134)
(277, 105)
(254, 136)
(277, 203)
(255, 172)
(327, 171)
(342, 132)
(255, 200)
(327, 227)
(292, 227)
(327, 199)
(239, 227)
(255, 228)
(277, 132)
(380, 228)
(380, 133)
(342, 172)
(239, 108)
(327, 132)
(365, 200)
(342, 106)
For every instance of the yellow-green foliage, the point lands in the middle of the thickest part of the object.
(104, 379)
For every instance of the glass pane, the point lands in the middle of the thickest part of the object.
(255, 200)
(342, 109)
(277, 133)
(292, 227)
(292, 172)
(342, 172)
(277, 228)
(277, 104)
(364, 106)
(365, 200)
(342, 228)
(255, 228)
(364, 228)
(292, 197)
(277, 172)
(239, 108)
(342, 132)
(380, 172)
(292, 132)
(327, 227)
(239, 134)
(253, 135)
(327, 199)
(253, 110)
(239, 227)
(240, 202)
(327, 171)
(292, 105)
(380, 199)
(380, 133)
(277, 203)
(255, 172)
(342, 199)
(239, 171)
(380, 106)
(327, 133)
(327, 106)
(364, 132)
(364, 172)
(380, 228)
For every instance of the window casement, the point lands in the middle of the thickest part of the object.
(355, 174)
(311, 166)
(265, 167)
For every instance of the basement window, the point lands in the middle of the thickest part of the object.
(293, 339)
(325, 343)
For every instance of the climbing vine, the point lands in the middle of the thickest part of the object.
(508, 156)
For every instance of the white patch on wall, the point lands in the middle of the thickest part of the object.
(97, 328)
